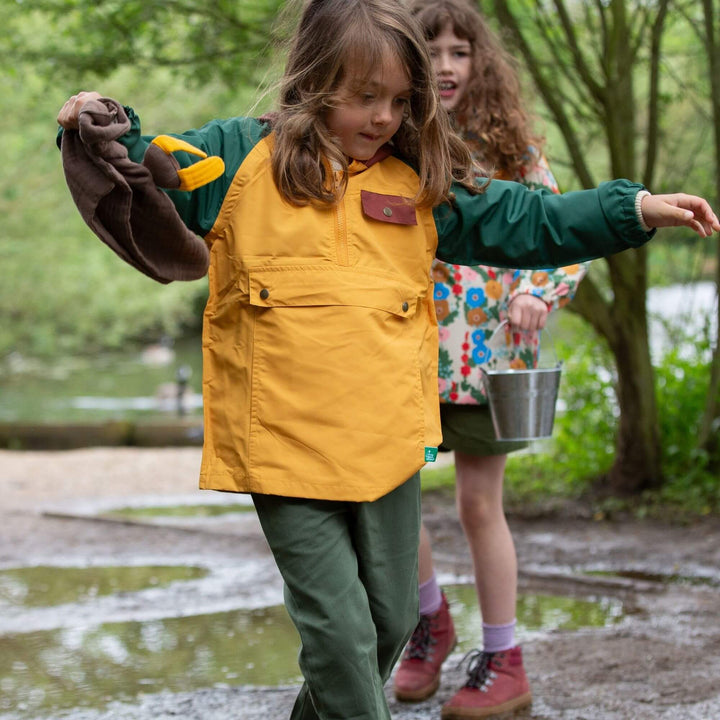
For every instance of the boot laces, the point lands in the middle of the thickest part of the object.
(480, 674)
(421, 641)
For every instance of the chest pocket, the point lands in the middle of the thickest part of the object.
(325, 285)
(394, 209)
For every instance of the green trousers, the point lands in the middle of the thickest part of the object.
(350, 572)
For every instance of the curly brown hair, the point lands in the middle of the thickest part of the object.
(491, 116)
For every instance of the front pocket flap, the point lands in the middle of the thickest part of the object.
(388, 208)
(317, 285)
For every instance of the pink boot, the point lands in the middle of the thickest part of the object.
(418, 676)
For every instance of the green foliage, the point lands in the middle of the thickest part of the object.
(682, 380)
(438, 478)
(677, 257)
(203, 41)
(63, 291)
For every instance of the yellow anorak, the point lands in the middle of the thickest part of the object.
(320, 336)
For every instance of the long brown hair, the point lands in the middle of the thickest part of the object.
(338, 37)
(491, 116)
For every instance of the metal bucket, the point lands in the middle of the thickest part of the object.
(522, 402)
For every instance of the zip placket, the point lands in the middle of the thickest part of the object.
(341, 240)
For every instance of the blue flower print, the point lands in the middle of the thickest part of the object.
(442, 291)
(481, 353)
(475, 297)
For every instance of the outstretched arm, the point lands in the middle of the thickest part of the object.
(678, 210)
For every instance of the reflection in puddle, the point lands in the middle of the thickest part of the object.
(179, 511)
(91, 665)
(535, 613)
(44, 586)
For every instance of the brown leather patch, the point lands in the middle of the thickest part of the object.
(388, 208)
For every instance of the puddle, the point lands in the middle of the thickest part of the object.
(535, 614)
(93, 664)
(89, 666)
(45, 586)
(178, 511)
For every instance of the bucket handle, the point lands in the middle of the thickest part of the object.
(552, 343)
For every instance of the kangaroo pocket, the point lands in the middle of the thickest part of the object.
(336, 383)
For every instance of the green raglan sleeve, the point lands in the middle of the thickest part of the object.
(230, 139)
(511, 226)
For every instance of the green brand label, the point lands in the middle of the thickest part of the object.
(431, 454)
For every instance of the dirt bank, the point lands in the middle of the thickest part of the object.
(661, 661)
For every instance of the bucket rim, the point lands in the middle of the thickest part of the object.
(523, 371)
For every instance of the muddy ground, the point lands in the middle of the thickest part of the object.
(661, 661)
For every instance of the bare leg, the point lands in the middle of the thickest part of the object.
(479, 489)
(497, 681)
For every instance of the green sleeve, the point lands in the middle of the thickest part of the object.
(511, 226)
(230, 139)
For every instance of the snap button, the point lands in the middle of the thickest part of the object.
(387, 212)
(264, 294)
(405, 307)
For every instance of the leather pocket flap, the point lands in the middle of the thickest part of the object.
(388, 208)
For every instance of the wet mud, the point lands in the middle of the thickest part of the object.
(660, 658)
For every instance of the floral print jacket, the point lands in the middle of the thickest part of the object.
(471, 302)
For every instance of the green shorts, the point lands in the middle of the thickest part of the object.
(469, 429)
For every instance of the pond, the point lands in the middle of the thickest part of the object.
(141, 385)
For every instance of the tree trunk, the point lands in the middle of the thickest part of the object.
(637, 465)
(623, 323)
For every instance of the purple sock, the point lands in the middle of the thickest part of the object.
(430, 596)
(498, 637)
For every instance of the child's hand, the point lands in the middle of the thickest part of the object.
(70, 111)
(679, 209)
(527, 312)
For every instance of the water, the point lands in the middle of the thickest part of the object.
(45, 586)
(130, 386)
(88, 666)
(79, 663)
(193, 511)
(536, 614)
(679, 314)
